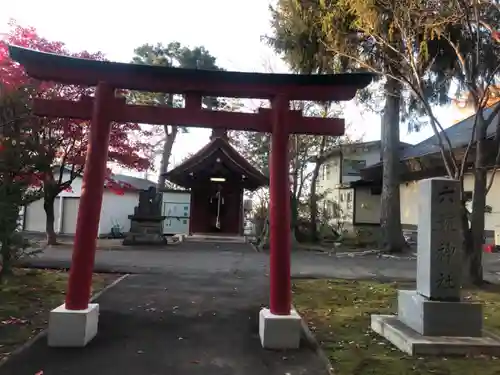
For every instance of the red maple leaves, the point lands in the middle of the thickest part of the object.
(495, 35)
(65, 141)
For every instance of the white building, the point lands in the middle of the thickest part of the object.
(347, 198)
(114, 212)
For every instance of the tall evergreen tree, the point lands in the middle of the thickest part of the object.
(326, 36)
(171, 55)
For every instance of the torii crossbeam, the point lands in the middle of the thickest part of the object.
(279, 326)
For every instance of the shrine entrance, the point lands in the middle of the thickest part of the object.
(217, 209)
(217, 176)
(75, 323)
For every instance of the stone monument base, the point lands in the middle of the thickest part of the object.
(146, 231)
(132, 239)
(439, 318)
(415, 344)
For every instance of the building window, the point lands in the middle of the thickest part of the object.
(352, 167)
(328, 208)
(331, 209)
(325, 172)
(349, 197)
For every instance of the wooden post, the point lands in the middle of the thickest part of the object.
(280, 293)
(89, 211)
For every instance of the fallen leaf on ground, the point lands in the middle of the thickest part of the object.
(13, 320)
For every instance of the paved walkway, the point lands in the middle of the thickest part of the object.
(212, 258)
(178, 323)
(193, 309)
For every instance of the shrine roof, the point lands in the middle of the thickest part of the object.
(70, 70)
(202, 160)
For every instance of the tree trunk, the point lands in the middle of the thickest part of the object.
(475, 252)
(294, 195)
(167, 146)
(390, 215)
(468, 246)
(10, 201)
(6, 264)
(264, 239)
(475, 255)
(165, 156)
(48, 206)
(294, 215)
(313, 220)
(263, 242)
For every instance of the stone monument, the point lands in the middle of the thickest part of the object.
(433, 319)
(146, 224)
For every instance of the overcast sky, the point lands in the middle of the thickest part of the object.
(230, 29)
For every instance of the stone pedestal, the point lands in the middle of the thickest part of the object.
(433, 319)
(72, 328)
(146, 224)
(145, 231)
(439, 318)
(413, 343)
(279, 331)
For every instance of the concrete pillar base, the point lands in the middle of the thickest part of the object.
(72, 328)
(279, 331)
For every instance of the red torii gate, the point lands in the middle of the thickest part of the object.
(104, 108)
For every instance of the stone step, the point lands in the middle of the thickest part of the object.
(215, 238)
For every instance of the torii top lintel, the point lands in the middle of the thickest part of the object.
(69, 70)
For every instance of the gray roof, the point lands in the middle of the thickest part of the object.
(135, 182)
(459, 135)
(357, 145)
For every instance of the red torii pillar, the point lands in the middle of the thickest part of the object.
(280, 326)
(87, 229)
(279, 205)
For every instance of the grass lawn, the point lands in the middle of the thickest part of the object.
(338, 312)
(27, 298)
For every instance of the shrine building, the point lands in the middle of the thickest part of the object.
(217, 176)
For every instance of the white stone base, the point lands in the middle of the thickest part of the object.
(279, 331)
(415, 344)
(440, 318)
(72, 328)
